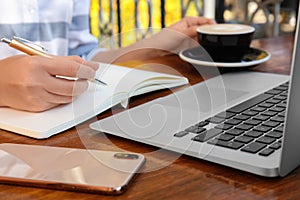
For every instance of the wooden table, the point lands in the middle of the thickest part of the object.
(183, 178)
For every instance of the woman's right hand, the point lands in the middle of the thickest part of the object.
(30, 83)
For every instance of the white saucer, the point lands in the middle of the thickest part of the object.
(197, 56)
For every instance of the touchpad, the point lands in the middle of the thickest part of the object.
(202, 99)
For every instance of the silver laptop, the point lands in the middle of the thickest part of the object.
(245, 120)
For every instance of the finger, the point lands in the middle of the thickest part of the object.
(43, 100)
(56, 99)
(73, 58)
(40, 101)
(61, 86)
(93, 65)
(43, 106)
(65, 67)
(197, 21)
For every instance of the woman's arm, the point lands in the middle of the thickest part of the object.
(179, 36)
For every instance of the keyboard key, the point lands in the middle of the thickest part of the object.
(254, 134)
(286, 84)
(252, 122)
(261, 117)
(250, 103)
(283, 105)
(215, 120)
(225, 137)
(283, 114)
(181, 134)
(258, 109)
(277, 109)
(242, 117)
(279, 129)
(276, 145)
(266, 140)
(202, 123)
(278, 119)
(273, 91)
(273, 101)
(195, 129)
(274, 134)
(233, 121)
(262, 128)
(284, 94)
(269, 113)
(230, 144)
(244, 127)
(223, 126)
(281, 87)
(266, 152)
(235, 132)
(254, 147)
(206, 135)
(198, 130)
(280, 98)
(272, 124)
(244, 139)
(266, 105)
(250, 112)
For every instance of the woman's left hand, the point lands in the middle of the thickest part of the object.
(189, 25)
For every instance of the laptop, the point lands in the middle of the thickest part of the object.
(244, 120)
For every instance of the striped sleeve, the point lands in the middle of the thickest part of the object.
(81, 41)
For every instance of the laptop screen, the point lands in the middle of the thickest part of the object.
(290, 156)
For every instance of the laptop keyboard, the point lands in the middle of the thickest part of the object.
(254, 126)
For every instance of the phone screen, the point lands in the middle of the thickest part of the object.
(68, 168)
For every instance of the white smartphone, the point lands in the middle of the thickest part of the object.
(68, 168)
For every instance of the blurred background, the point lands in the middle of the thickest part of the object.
(122, 22)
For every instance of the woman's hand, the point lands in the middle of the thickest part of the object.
(188, 25)
(181, 35)
(30, 83)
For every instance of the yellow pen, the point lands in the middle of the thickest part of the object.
(21, 46)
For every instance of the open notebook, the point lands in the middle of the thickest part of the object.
(122, 83)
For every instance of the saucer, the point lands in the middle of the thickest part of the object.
(253, 56)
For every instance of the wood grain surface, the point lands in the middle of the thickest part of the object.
(168, 175)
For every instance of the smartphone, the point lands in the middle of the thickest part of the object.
(73, 169)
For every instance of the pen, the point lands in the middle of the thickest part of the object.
(21, 46)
